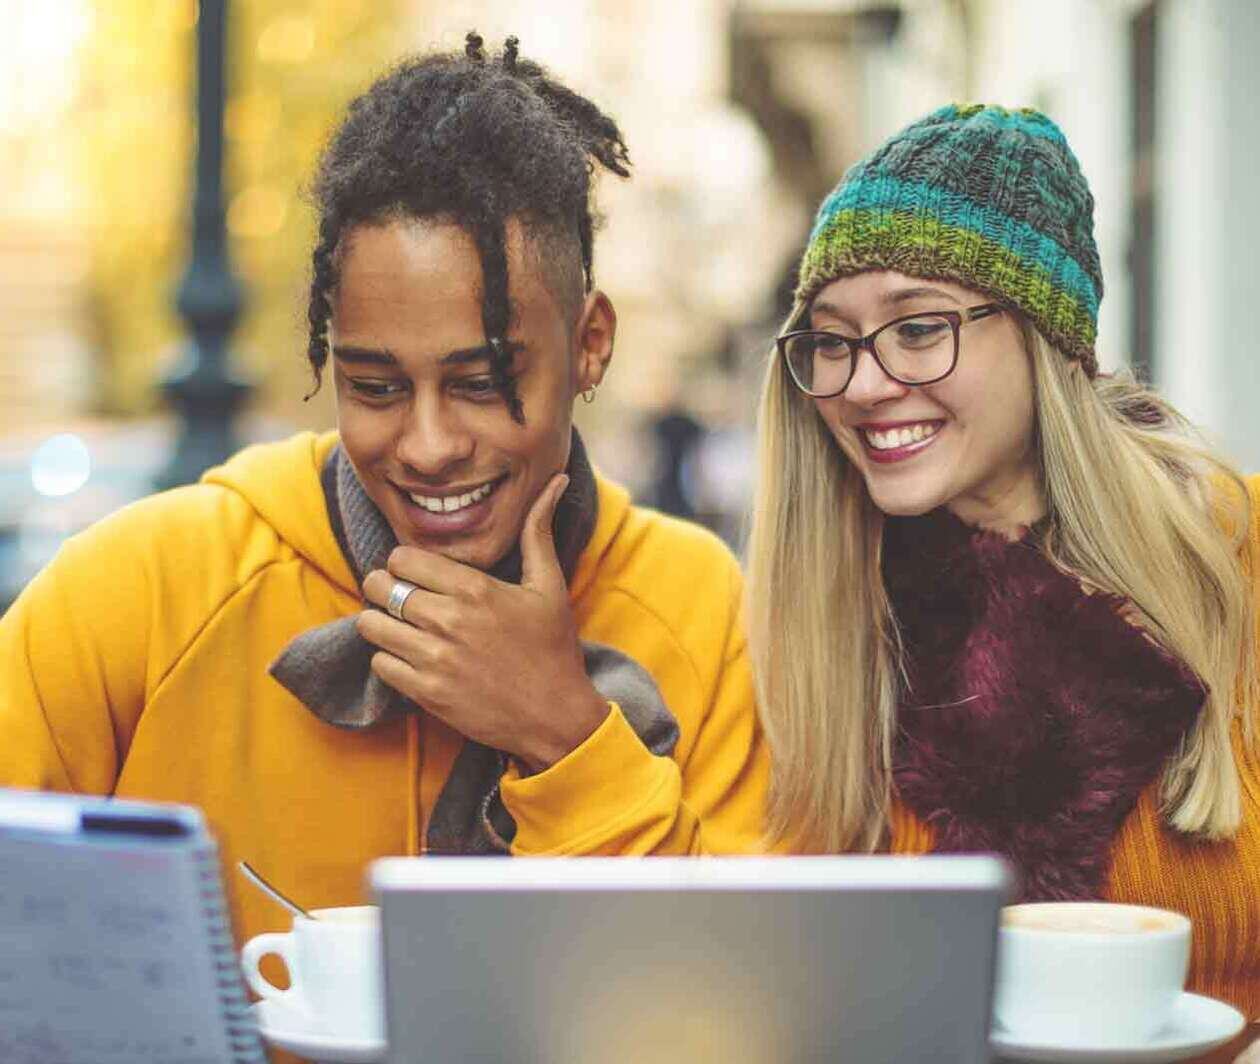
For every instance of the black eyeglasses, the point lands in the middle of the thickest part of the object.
(917, 349)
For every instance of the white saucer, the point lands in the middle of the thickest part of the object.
(1197, 1025)
(285, 1029)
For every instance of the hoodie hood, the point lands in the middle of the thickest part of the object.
(281, 481)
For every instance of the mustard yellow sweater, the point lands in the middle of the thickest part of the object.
(136, 665)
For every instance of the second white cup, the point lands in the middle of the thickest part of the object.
(334, 964)
(1089, 973)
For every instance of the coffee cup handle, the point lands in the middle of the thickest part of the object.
(252, 954)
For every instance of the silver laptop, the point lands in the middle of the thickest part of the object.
(865, 960)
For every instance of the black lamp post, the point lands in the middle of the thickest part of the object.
(202, 387)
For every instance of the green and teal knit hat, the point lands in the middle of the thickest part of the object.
(989, 198)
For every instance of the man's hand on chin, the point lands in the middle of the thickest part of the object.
(498, 662)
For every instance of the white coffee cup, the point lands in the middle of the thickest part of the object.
(334, 963)
(1089, 973)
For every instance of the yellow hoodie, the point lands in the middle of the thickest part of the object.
(136, 664)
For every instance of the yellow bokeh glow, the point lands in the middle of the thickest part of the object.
(176, 15)
(258, 211)
(252, 118)
(287, 39)
(291, 69)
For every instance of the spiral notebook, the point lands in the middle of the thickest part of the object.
(114, 944)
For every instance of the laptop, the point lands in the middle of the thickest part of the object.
(737, 960)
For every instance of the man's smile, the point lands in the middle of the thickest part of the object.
(451, 500)
(451, 512)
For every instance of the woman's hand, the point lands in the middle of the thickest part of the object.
(498, 662)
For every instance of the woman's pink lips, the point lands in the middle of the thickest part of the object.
(898, 454)
(445, 525)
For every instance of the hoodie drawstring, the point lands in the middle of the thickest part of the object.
(413, 785)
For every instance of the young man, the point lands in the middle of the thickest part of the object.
(437, 630)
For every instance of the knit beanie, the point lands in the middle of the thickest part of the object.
(989, 198)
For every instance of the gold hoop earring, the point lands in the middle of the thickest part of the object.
(588, 396)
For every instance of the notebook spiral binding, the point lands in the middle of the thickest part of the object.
(242, 1033)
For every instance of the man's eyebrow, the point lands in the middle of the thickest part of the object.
(381, 357)
(368, 355)
(463, 355)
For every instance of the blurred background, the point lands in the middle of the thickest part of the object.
(740, 115)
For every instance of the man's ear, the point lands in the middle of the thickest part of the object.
(596, 330)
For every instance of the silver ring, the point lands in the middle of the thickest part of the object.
(398, 595)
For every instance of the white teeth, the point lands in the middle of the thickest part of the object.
(450, 503)
(900, 437)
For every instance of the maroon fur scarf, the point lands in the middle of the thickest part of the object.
(1034, 714)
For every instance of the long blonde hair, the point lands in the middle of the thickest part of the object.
(1138, 507)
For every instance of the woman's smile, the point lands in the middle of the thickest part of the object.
(896, 441)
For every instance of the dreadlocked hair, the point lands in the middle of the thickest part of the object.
(475, 140)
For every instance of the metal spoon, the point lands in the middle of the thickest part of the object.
(271, 891)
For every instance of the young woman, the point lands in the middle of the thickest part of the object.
(999, 601)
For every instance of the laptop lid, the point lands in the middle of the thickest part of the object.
(736, 960)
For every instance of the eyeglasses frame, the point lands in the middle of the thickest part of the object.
(866, 343)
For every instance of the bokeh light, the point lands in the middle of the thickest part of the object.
(61, 465)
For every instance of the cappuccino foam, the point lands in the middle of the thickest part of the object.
(1091, 920)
